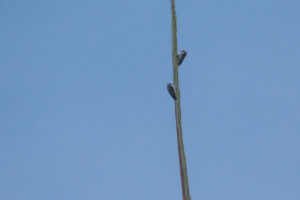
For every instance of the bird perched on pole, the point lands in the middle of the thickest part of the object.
(171, 91)
(180, 57)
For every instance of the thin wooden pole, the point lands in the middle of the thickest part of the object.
(182, 161)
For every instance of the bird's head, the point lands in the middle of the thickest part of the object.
(183, 52)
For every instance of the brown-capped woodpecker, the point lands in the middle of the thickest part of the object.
(180, 57)
(171, 91)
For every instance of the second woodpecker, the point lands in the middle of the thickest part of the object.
(180, 57)
(171, 91)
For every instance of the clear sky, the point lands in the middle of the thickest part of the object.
(85, 114)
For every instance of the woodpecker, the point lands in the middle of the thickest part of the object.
(180, 57)
(171, 91)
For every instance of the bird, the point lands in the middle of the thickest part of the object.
(180, 57)
(171, 91)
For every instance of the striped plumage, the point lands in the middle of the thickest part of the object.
(180, 57)
(171, 91)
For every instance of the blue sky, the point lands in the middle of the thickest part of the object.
(85, 113)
